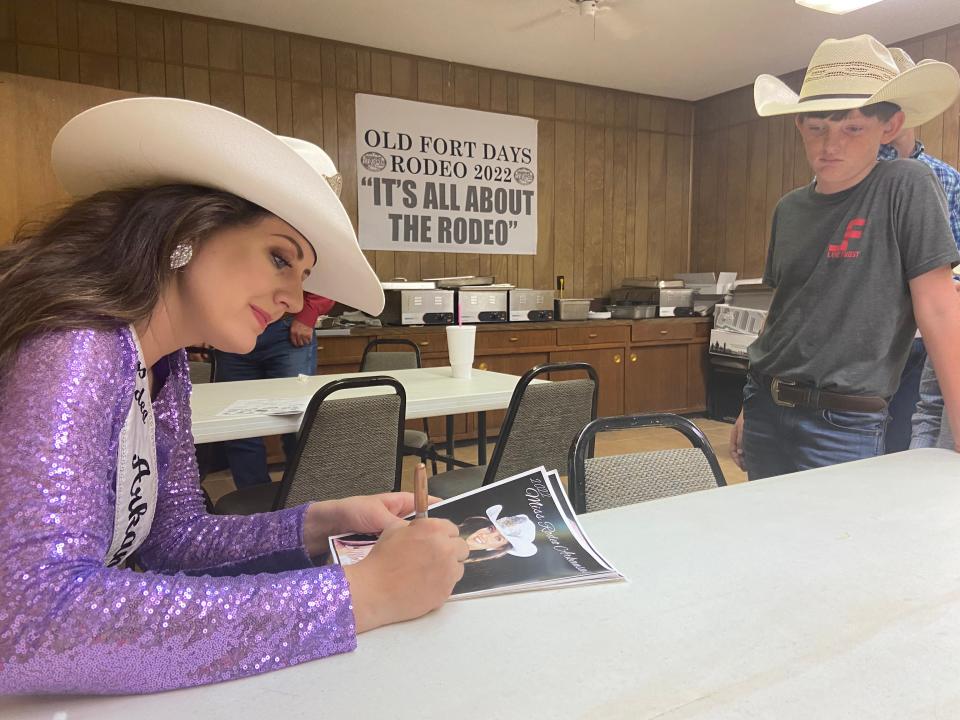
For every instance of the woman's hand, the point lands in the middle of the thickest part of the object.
(409, 572)
(362, 514)
(736, 443)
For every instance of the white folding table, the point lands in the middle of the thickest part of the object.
(430, 392)
(832, 593)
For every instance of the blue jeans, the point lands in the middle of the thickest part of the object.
(779, 440)
(904, 402)
(273, 357)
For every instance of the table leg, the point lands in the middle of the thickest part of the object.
(449, 441)
(482, 438)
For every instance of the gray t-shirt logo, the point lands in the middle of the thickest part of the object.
(854, 231)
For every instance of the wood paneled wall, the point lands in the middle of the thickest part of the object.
(615, 167)
(744, 164)
(32, 110)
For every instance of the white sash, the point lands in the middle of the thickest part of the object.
(136, 498)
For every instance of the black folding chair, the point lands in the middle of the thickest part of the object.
(541, 422)
(348, 446)
(614, 480)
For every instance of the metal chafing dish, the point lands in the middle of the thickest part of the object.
(571, 308)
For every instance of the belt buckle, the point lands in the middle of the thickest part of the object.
(775, 392)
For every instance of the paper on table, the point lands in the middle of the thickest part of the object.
(267, 406)
(530, 538)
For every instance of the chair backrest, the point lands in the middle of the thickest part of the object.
(542, 420)
(374, 360)
(204, 370)
(350, 446)
(611, 481)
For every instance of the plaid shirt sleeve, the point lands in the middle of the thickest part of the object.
(887, 152)
(950, 179)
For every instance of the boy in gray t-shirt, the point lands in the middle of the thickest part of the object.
(858, 258)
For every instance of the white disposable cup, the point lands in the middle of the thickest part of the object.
(460, 342)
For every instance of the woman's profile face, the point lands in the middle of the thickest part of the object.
(242, 279)
(487, 538)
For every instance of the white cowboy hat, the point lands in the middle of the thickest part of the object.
(154, 141)
(519, 531)
(858, 71)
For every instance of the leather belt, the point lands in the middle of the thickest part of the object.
(788, 393)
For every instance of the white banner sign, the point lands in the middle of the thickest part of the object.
(441, 179)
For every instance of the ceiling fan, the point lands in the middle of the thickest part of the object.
(590, 9)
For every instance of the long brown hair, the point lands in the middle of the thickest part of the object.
(103, 261)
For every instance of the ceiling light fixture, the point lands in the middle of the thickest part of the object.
(836, 7)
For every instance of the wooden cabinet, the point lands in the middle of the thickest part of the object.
(662, 331)
(340, 350)
(609, 367)
(435, 343)
(514, 340)
(600, 335)
(666, 378)
(656, 378)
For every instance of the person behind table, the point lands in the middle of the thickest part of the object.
(903, 405)
(192, 225)
(286, 348)
(858, 258)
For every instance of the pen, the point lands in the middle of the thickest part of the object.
(420, 491)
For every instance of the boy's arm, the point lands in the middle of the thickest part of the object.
(937, 310)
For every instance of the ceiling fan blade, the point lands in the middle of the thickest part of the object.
(537, 21)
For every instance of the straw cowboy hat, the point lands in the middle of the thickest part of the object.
(859, 71)
(905, 62)
(155, 141)
(519, 531)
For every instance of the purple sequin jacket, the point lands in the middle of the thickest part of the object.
(223, 596)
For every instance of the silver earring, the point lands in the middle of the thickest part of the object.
(181, 255)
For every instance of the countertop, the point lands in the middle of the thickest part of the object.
(511, 326)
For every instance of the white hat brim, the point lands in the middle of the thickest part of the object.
(519, 547)
(154, 141)
(922, 92)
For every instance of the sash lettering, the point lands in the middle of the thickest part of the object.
(136, 487)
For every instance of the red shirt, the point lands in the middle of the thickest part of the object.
(313, 307)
